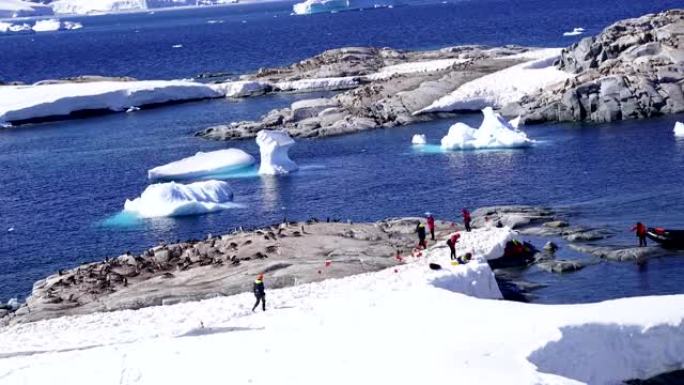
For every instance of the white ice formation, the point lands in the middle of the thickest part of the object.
(18, 8)
(327, 324)
(174, 199)
(502, 87)
(274, 147)
(494, 132)
(679, 129)
(203, 164)
(575, 31)
(419, 139)
(320, 6)
(86, 7)
(47, 25)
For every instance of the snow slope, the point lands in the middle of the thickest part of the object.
(494, 132)
(679, 129)
(203, 164)
(19, 103)
(175, 199)
(502, 87)
(18, 8)
(274, 147)
(403, 325)
(415, 67)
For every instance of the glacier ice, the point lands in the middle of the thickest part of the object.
(419, 139)
(274, 147)
(679, 129)
(494, 132)
(203, 164)
(175, 199)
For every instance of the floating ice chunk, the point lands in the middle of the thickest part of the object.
(19, 28)
(47, 25)
(274, 147)
(494, 132)
(72, 25)
(132, 109)
(175, 199)
(203, 164)
(177, 46)
(576, 31)
(4, 27)
(419, 139)
(679, 129)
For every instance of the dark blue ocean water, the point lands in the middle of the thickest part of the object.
(61, 183)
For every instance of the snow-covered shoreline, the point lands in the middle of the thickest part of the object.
(406, 324)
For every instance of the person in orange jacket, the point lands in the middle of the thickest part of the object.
(640, 230)
(431, 225)
(451, 242)
(466, 219)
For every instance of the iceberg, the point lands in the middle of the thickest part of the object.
(203, 164)
(23, 27)
(274, 147)
(502, 87)
(87, 7)
(34, 102)
(47, 25)
(576, 31)
(175, 199)
(72, 25)
(679, 129)
(321, 6)
(18, 8)
(419, 139)
(494, 132)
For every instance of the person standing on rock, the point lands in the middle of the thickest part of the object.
(640, 229)
(451, 242)
(420, 229)
(259, 292)
(466, 219)
(431, 225)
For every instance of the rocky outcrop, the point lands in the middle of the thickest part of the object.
(634, 69)
(391, 86)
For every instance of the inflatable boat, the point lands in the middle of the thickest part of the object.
(671, 239)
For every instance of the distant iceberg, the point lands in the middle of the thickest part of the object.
(576, 31)
(679, 130)
(494, 132)
(322, 6)
(88, 7)
(203, 164)
(419, 139)
(274, 147)
(175, 199)
(47, 25)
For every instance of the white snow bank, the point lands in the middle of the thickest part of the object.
(274, 147)
(18, 8)
(175, 199)
(19, 103)
(494, 132)
(318, 84)
(401, 325)
(419, 139)
(84, 7)
(415, 67)
(319, 6)
(47, 25)
(575, 31)
(679, 129)
(502, 87)
(242, 88)
(203, 164)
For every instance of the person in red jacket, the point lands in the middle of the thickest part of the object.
(451, 242)
(466, 219)
(640, 230)
(431, 225)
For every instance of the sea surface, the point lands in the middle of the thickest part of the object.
(63, 184)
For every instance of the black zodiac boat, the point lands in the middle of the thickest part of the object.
(671, 239)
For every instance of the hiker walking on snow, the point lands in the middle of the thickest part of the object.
(466, 219)
(451, 242)
(420, 229)
(259, 292)
(640, 229)
(431, 225)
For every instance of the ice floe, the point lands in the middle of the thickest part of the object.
(576, 31)
(175, 199)
(503, 87)
(203, 164)
(494, 132)
(679, 129)
(419, 139)
(274, 147)
(444, 322)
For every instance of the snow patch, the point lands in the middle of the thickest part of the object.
(175, 199)
(502, 87)
(419, 139)
(203, 164)
(415, 67)
(679, 129)
(18, 8)
(494, 132)
(274, 147)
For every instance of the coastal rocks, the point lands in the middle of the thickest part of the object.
(634, 69)
(560, 266)
(512, 216)
(621, 253)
